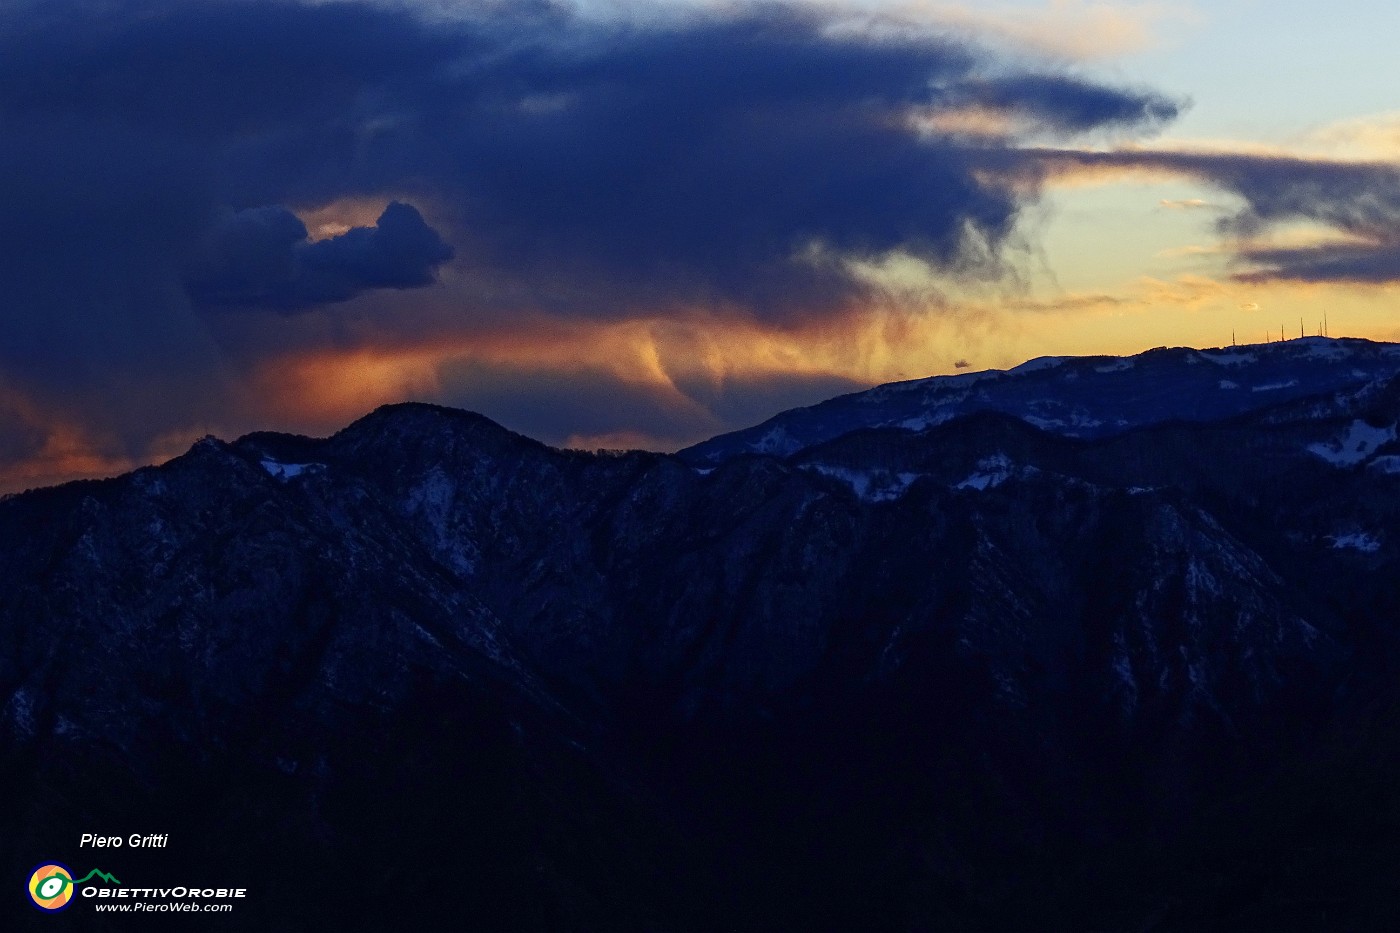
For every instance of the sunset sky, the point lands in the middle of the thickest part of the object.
(640, 224)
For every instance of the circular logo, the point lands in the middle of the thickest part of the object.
(51, 887)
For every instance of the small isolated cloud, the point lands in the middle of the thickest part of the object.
(263, 257)
(961, 364)
(1249, 306)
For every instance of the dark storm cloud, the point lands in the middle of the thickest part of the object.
(1358, 199)
(262, 257)
(697, 163)
(618, 166)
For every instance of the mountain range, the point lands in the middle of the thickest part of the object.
(1090, 644)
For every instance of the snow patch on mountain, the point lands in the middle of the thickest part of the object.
(1355, 445)
(1229, 357)
(777, 441)
(286, 471)
(1327, 350)
(1037, 364)
(1200, 582)
(869, 485)
(1077, 422)
(1387, 464)
(21, 710)
(1123, 671)
(426, 635)
(1355, 541)
(1275, 386)
(963, 380)
(434, 500)
(991, 472)
(923, 422)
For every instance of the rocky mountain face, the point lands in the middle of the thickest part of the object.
(925, 665)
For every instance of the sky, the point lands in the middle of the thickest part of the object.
(640, 223)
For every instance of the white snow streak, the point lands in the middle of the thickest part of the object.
(1354, 446)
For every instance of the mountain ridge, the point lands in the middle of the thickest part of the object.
(1081, 396)
(944, 678)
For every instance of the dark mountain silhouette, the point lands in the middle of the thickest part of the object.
(999, 672)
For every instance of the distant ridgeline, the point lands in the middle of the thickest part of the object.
(1091, 644)
(1089, 396)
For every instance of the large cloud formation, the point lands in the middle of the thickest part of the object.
(156, 155)
(691, 160)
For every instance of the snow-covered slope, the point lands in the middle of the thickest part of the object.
(1090, 397)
